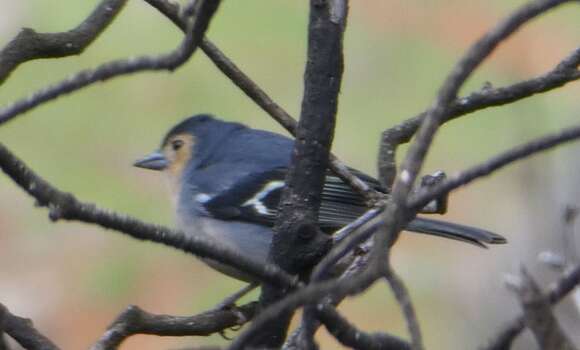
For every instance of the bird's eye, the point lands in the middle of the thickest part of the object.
(176, 144)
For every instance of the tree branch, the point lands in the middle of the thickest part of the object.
(556, 292)
(306, 175)
(354, 338)
(565, 72)
(538, 316)
(261, 98)
(448, 92)
(170, 61)
(311, 293)
(65, 206)
(22, 330)
(30, 45)
(134, 320)
(517, 153)
(404, 299)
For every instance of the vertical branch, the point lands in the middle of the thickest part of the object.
(404, 300)
(297, 224)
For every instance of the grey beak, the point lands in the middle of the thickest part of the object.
(153, 161)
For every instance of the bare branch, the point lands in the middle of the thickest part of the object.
(29, 45)
(311, 321)
(137, 321)
(495, 163)
(538, 316)
(3, 342)
(448, 92)
(301, 197)
(261, 98)
(22, 330)
(354, 338)
(556, 292)
(170, 61)
(570, 252)
(65, 206)
(404, 300)
(233, 299)
(311, 293)
(565, 72)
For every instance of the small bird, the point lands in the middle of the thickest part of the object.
(227, 181)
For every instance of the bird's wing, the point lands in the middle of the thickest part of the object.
(255, 198)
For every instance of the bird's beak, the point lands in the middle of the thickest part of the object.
(153, 161)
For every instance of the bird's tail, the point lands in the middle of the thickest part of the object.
(458, 232)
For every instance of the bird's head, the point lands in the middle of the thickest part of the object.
(179, 146)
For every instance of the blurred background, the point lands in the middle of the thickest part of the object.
(73, 279)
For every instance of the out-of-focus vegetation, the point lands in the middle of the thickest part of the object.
(73, 279)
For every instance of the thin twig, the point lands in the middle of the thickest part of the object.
(308, 294)
(517, 153)
(404, 300)
(65, 206)
(538, 315)
(170, 61)
(357, 265)
(569, 280)
(30, 45)
(231, 300)
(261, 98)
(565, 72)
(355, 338)
(134, 320)
(478, 52)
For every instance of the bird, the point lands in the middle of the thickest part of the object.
(227, 179)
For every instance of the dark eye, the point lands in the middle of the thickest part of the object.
(176, 144)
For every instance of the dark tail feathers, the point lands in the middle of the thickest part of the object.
(458, 232)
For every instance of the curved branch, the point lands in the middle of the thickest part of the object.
(565, 72)
(29, 45)
(135, 320)
(65, 206)
(404, 300)
(355, 338)
(169, 61)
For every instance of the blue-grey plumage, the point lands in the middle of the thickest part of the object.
(227, 180)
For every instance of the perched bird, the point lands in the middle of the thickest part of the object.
(227, 181)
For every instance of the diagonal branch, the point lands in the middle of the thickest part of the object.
(65, 206)
(538, 315)
(556, 292)
(22, 330)
(134, 320)
(517, 153)
(260, 97)
(311, 293)
(195, 31)
(478, 52)
(30, 45)
(565, 72)
(354, 338)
